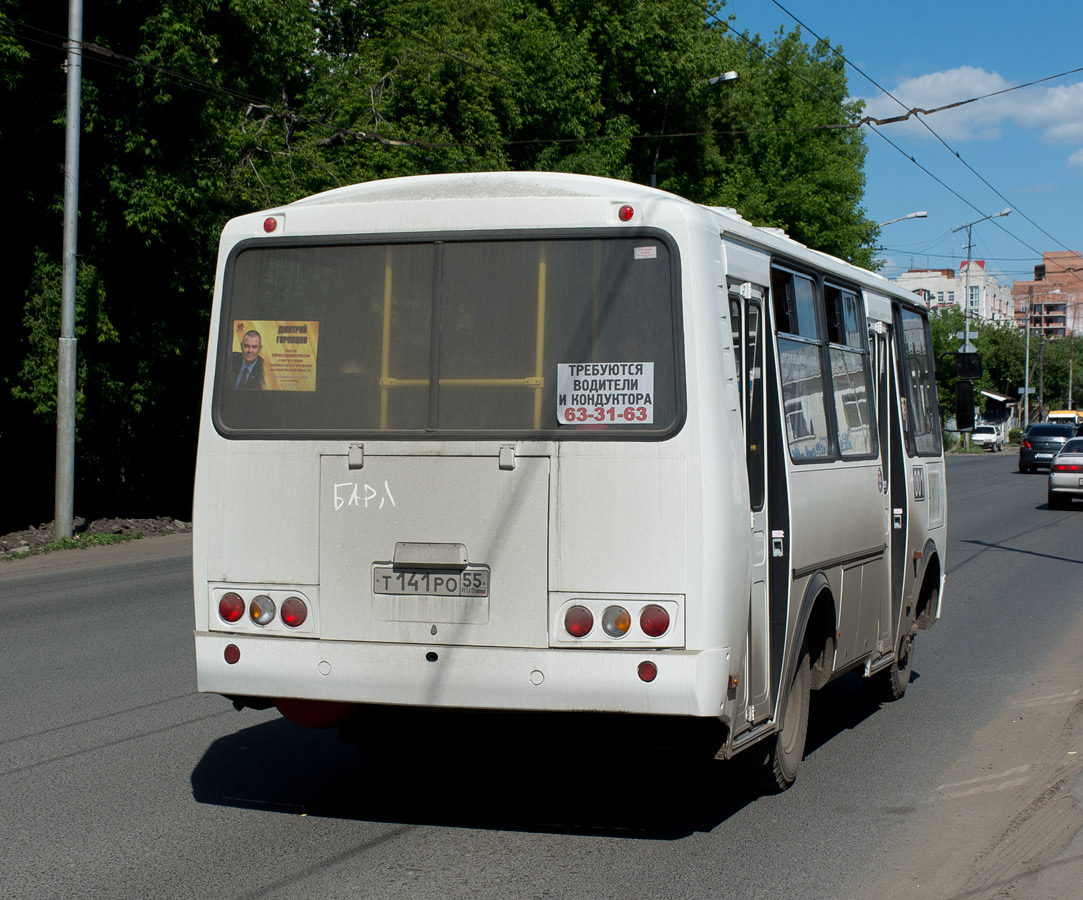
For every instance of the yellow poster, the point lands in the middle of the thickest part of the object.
(274, 356)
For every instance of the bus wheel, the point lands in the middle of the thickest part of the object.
(890, 684)
(788, 745)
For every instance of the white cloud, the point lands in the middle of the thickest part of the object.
(1076, 159)
(1054, 112)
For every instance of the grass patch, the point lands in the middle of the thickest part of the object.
(88, 540)
(79, 542)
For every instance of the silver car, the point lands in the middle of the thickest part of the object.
(1066, 475)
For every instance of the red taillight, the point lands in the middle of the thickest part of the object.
(647, 671)
(1067, 467)
(578, 621)
(232, 654)
(231, 607)
(294, 612)
(625, 213)
(654, 620)
(1026, 445)
(270, 224)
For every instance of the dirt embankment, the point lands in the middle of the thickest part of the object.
(35, 539)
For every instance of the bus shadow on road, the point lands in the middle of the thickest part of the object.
(561, 782)
(841, 706)
(499, 773)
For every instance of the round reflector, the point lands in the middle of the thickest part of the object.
(647, 671)
(654, 620)
(294, 612)
(625, 213)
(616, 621)
(270, 224)
(578, 621)
(262, 610)
(232, 654)
(231, 607)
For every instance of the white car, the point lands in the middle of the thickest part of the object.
(987, 436)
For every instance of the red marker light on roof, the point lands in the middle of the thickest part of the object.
(270, 224)
(625, 213)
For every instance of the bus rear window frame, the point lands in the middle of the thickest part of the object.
(556, 432)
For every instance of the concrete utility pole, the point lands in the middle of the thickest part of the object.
(968, 348)
(65, 376)
(1026, 363)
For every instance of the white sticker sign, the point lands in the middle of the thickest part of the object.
(605, 393)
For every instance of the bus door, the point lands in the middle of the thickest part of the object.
(747, 313)
(895, 463)
(880, 346)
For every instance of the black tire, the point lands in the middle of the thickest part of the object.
(1056, 501)
(787, 747)
(889, 685)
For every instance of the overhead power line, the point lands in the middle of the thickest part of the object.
(917, 113)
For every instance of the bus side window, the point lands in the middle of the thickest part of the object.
(854, 420)
(738, 356)
(801, 365)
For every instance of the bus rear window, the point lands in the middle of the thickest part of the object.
(449, 337)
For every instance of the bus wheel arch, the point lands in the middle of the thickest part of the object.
(820, 632)
(809, 668)
(928, 602)
(787, 746)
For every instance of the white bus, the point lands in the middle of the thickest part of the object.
(546, 442)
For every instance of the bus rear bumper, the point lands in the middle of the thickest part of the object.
(688, 683)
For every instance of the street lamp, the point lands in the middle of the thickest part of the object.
(967, 347)
(913, 215)
(725, 76)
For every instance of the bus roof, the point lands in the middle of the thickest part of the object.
(510, 186)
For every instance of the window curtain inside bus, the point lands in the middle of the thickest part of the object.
(445, 337)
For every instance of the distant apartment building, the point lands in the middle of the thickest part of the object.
(988, 300)
(1053, 298)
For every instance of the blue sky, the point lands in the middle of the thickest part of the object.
(1027, 144)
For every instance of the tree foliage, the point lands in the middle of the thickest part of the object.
(198, 110)
(1003, 349)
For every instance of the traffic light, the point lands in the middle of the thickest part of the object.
(968, 365)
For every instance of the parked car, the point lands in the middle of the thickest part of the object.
(1066, 475)
(1041, 443)
(987, 436)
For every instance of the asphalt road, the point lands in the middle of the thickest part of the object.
(119, 781)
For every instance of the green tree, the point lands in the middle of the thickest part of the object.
(198, 110)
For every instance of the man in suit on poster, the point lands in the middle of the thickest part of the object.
(248, 364)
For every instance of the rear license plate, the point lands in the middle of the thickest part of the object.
(1043, 455)
(471, 582)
